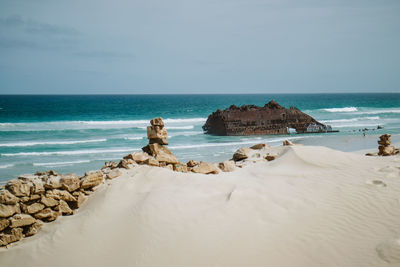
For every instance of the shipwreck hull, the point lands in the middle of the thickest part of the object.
(253, 120)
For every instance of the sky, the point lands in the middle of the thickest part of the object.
(203, 46)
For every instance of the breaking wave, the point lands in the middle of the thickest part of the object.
(345, 109)
(22, 144)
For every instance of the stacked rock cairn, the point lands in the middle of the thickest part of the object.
(385, 148)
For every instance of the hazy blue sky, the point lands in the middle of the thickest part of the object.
(203, 46)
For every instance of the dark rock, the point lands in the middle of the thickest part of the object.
(254, 120)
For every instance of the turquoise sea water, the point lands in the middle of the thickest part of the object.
(79, 133)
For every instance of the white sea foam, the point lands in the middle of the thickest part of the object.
(72, 152)
(65, 125)
(189, 133)
(58, 164)
(134, 138)
(350, 120)
(71, 142)
(187, 127)
(275, 140)
(6, 166)
(379, 111)
(345, 109)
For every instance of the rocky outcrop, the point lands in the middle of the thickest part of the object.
(254, 120)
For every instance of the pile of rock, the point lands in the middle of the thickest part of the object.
(385, 148)
(157, 154)
(29, 201)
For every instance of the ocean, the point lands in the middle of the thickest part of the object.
(77, 133)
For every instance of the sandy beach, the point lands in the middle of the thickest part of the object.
(312, 206)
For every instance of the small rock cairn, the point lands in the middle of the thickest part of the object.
(385, 148)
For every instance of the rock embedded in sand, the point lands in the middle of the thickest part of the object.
(33, 228)
(259, 146)
(270, 157)
(160, 153)
(385, 148)
(179, 167)
(113, 174)
(19, 220)
(64, 208)
(80, 198)
(241, 154)
(47, 215)
(8, 210)
(91, 179)
(18, 188)
(205, 168)
(11, 236)
(138, 157)
(227, 166)
(151, 161)
(287, 143)
(7, 198)
(70, 182)
(191, 163)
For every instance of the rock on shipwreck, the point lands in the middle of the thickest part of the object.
(255, 120)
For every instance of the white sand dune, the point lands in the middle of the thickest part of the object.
(313, 206)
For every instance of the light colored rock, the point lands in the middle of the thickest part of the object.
(169, 166)
(47, 173)
(126, 164)
(205, 168)
(11, 236)
(80, 198)
(156, 134)
(191, 163)
(160, 153)
(37, 186)
(8, 210)
(47, 214)
(33, 208)
(259, 146)
(180, 168)
(34, 228)
(49, 202)
(4, 223)
(64, 208)
(18, 188)
(113, 174)
(151, 161)
(386, 150)
(157, 122)
(70, 182)
(287, 143)
(242, 153)
(227, 166)
(138, 157)
(53, 182)
(270, 157)
(19, 220)
(35, 197)
(110, 164)
(28, 177)
(60, 195)
(7, 198)
(92, 179)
